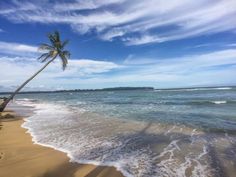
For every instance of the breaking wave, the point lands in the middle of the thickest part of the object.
(137, 149)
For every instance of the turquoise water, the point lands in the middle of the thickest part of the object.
(183, 132)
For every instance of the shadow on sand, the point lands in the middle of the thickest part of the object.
(142, 140)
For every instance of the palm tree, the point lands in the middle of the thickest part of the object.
(52, 51)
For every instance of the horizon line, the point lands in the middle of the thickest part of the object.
(117, 89)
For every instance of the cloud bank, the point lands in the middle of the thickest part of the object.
(214, 68)
(17, 49)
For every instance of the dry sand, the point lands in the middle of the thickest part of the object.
(19, 157)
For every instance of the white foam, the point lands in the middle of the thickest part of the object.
(224, 88)
(170, 130)
(24, 99)
(219, 102)
(55, 126)
(48, 110)
(196, 89)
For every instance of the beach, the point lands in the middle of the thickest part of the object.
(140, 133)
(117, 88)
(20, 157)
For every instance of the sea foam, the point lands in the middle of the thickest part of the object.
(136, 148)
(219, 102)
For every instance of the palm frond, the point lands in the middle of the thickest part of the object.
(66, 53)
(57, 42)
(52, 39)
(64, 60)
(44, 46)
(54, 53)
(55, 49)
(46, 58)
(57, 36)
(64, 43)
(43, 57)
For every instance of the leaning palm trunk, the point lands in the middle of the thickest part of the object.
(56, 49)
(4, 104)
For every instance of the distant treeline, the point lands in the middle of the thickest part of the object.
(85, 90)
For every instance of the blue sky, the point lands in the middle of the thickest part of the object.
(159, 43)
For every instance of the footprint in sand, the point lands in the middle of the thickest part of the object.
(1, 155)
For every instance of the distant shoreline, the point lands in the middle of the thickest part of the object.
(86, 90)
(117, 89)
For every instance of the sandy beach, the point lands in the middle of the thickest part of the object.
(20, 157)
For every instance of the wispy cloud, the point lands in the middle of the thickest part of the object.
(85, 5)
(17, 49)
(216, 58)
(231, 45)
(213, 45)
(134, 22)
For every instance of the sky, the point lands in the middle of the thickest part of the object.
(113, 43)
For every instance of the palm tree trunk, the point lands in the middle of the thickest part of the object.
(4, 104)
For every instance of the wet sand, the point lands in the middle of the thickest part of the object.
(20, 157)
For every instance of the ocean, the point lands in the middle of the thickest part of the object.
(143, 133)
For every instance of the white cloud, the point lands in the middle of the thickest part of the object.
(214, 68)
(223, 57)
(134, 22)
(18, 69)
(17, 49)
(86, 67)
(188, 70)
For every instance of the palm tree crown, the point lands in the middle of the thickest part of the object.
(52, 51)
(55, 49)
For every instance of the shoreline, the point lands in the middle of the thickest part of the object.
(20, 156)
